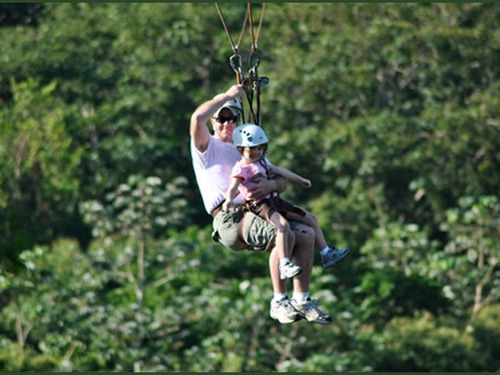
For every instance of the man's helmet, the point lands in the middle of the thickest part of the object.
(249, 135)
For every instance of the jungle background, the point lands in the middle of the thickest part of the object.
(393, 112)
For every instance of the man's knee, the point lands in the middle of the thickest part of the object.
(303, 251)
(303, 233)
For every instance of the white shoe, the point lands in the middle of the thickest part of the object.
(283, 311)
(289, 270)
(311, 312)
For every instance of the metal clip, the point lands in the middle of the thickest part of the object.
(253, 61)
(235, 61)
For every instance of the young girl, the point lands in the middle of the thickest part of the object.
(251, 141)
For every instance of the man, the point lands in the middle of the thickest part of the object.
(213, 159)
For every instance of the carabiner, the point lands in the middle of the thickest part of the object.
(235, 61)
(253, 61)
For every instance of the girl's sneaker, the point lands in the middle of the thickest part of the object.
(334, 256)
(289, 270)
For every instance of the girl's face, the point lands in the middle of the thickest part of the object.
(252, 154)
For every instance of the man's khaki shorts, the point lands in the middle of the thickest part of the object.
(240, 230)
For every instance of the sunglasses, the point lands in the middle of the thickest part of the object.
(222, 119)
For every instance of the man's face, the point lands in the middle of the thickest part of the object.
(224, 125)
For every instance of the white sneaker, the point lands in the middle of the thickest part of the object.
(289, 270)
(283, 311)
(311, 312)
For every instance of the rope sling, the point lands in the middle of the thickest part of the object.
(252, 84)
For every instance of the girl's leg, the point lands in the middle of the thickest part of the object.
(286, 267)
(283, 228)
(279, 285)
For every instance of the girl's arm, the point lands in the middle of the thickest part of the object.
(280, 171)
(231, 193)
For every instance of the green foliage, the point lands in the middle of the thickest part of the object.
(473, 249)
(39, 175)
(428, 345)
(141, 205)
(107, 262)
(487, 335)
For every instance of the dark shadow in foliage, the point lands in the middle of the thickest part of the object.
(487, 335)
(19, 14)
(390, 293)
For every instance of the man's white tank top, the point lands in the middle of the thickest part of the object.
(213, 171)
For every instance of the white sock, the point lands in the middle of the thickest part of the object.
(325, 250)
(279, 296)
(300, 297)
(284, 260)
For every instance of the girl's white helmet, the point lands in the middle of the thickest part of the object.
(249, 135)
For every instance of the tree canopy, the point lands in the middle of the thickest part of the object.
(106, 259)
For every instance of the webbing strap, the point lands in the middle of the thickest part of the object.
(252, 85)
(233, 46)
(255, 38)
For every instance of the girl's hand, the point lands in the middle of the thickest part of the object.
(306, 183)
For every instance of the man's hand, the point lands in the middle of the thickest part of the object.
(263, 187)
(235, 91)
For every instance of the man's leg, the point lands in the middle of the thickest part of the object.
(329, 255)
(303, 255)
(281, 307)
(260, 234)
(279, 286)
